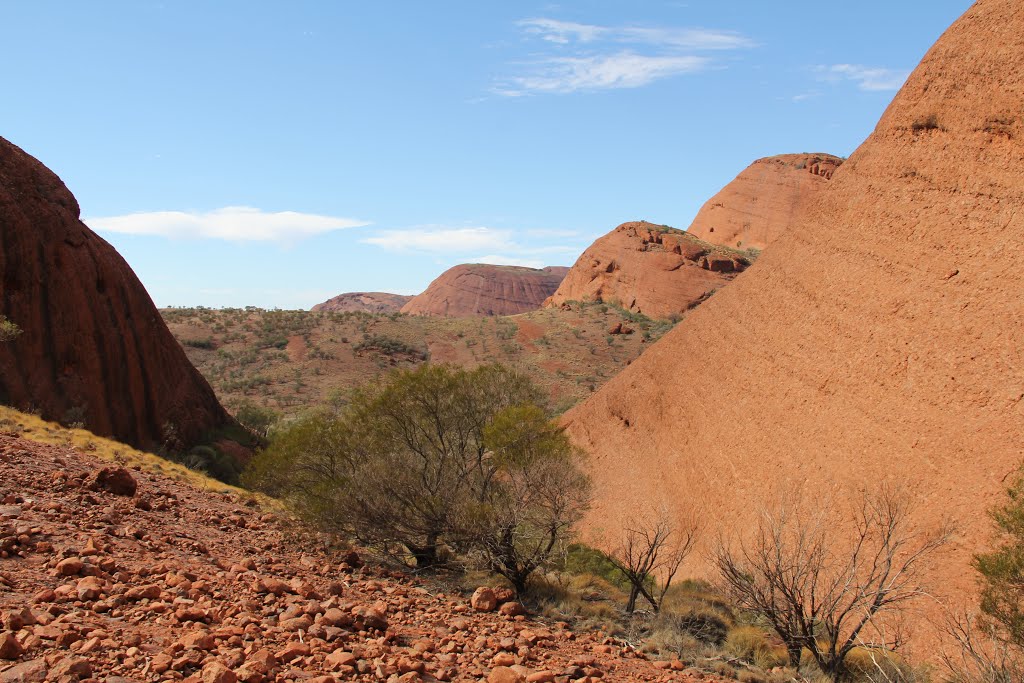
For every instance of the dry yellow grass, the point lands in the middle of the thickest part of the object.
(34, 428)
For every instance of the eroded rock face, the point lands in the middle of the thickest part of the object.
(93, 349)
(649, 269)
(367, 302)
(476, 289)
(763, 200)
(876, 341)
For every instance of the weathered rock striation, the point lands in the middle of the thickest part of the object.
(366, 302)
(650, 269)
(878, 340)
(763, 200)
(477, 289)
(93, 347)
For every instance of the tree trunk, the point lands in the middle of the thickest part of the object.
(634, 592)
(795, 650)
(518, 580)
(426, 554)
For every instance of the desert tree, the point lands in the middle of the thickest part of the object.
(654, 546)
(829, 591)
(423, 462)
(422, 457)
(536, 492)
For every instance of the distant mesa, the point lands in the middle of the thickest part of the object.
(650, 269)
(763, 200)
(365, 302)
(476, 289)
(93, 350)
(877, 340)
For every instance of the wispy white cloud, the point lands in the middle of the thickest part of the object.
(591, 57)
(436, 238)
(866, 77)
(499, 246)
(562, 32)
(805, 96)
(622, 70)
(567, 32)
(231, 223)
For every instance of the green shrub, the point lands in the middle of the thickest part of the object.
(257, 418)
(206, 343)
(581, 559)
(390, 346)
(8, 330)
(930, 122)
(212, 462)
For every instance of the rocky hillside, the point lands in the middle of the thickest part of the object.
(763, 200)
(876, 341)
(125, 575)
(367, 302)
(650, 269)
(93, 347)
(477, 289)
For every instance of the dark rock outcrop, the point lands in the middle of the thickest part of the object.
(93, 348)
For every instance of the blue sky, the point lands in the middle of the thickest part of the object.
(278, 153)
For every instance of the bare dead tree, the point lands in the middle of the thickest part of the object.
(653, 548)
(984, 653)
(828, 594)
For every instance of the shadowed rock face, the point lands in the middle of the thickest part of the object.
(94, 349)
(878, 340)
(649, 269)
(763, 200)
(476, 289)
(367, 302)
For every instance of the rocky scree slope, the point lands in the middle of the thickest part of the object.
(129, 575)
(650, 269)
(368, 302)
(877, 341)
(93, 347)
(476, 289)
(763, 200)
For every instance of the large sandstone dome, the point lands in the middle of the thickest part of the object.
(94, 348)
(650, 269)
(478, 289)
(365, 302)
(763, 200)
(879, 339)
